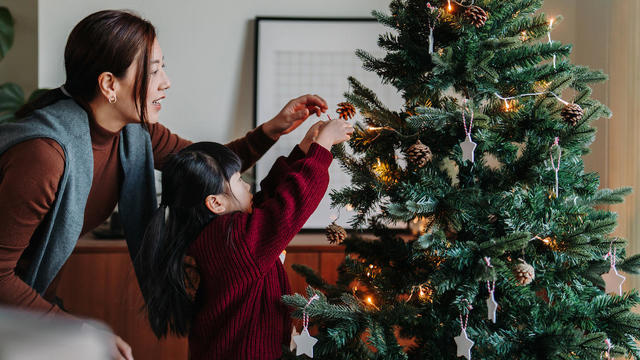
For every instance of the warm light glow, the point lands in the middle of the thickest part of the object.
(372, 271)
(425, 293)
(349, 207)
(541, 86)
(510, 105)
(551, 242)
(523, 36)
(449, 8)
(383, 172)
(378, 168)
(373, 128)
(369, 300)
(551, 22)
(419, 225)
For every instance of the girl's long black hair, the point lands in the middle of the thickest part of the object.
(188, 177)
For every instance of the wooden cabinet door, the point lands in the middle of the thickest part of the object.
(103, 286)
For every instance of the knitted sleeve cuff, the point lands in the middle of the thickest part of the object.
(296, 154)
(320, 154)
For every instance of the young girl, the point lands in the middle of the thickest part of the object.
(236, 243)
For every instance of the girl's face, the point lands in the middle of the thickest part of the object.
(242, 199)
(158, 83)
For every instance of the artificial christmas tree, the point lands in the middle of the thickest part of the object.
(510, 262)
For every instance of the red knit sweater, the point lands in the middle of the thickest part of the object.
(240, 315)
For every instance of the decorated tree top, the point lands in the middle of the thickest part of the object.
(514, 258)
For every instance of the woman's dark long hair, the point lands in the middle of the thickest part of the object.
(188, 177)
(105, 41)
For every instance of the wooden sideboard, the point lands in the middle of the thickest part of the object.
(98, 282)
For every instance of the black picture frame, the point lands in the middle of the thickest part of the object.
(259, 21)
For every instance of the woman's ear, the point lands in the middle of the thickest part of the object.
(108, 85)
(216, 204)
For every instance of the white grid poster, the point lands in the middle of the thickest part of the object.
(296, 57)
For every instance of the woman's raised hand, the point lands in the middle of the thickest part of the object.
(334, 132)
(122, 350)
(293, 114)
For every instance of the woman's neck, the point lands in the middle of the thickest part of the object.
(107, 116)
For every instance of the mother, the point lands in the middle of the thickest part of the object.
(91, 144)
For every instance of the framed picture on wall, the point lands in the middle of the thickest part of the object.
(296, 56)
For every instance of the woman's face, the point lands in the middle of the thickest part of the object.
(158, 83)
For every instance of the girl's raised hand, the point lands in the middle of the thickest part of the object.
(334, 132)
(312, 135)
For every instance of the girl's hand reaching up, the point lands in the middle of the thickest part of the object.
(334, 132)
(312, 135)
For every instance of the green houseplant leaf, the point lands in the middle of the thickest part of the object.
(11, 94)
(11, 99)
(6, 31)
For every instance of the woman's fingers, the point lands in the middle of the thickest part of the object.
(315, 100)
(314, 103)
(124, 350)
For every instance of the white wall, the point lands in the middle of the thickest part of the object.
(208, 47)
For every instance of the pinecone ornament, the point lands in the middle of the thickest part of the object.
(335, 233)
(476, 15)
(524, 273)
(346, 110)
(572, 114)
(419, 154)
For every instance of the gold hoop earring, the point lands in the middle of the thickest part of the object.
(112, 100)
